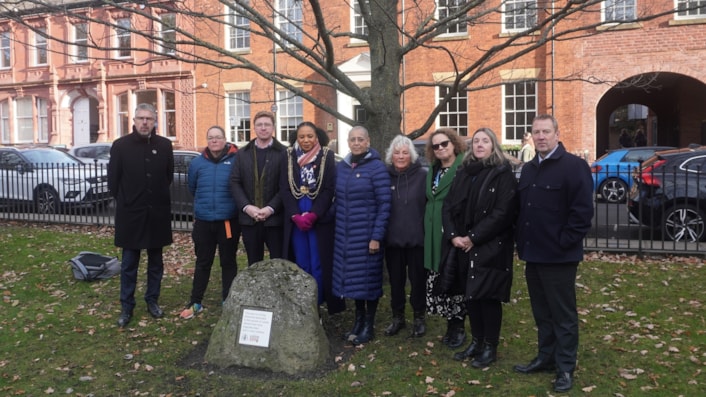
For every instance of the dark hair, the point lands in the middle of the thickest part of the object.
(216, 127)
(459, 144)
(320, 133)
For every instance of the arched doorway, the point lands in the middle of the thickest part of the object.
(675, 115)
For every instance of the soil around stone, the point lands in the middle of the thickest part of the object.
(340, 353)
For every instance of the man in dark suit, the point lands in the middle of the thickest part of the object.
(556, 208)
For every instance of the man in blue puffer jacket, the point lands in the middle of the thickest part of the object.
(215, 217)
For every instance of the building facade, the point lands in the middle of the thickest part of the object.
(74, 77)
(620, 72)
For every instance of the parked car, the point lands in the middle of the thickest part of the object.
(612, 172)
(49, 179)
(182, 200)
(669, 193)
(93, 152)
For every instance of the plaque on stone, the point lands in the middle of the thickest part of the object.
(255, 328)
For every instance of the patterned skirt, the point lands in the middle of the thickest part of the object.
(443, 305)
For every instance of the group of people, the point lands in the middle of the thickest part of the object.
(450, 230)
(632, 139)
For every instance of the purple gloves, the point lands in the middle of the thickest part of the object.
(304, 222)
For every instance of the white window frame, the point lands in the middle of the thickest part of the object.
(5, 132)
(80, 39)
(5, 50)
(697, 13)
(446, 7)
(123, 38)
(42, 110)
(237, 29)
(617, 11)
(290, 18)
(41, 47)
(526, 20)
(524, 105)
(290, 114)
(455, 114)
(123, 114)
(238, 116)
(167, 34)
(169, 120)
(24, 120)
(358, 24)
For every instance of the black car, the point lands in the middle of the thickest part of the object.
(669, 194)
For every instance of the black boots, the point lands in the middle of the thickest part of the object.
(398, 322)
(357, 325)
(368, 332)
(487, 356)
(455, 333)
(419, 327)
(473, 350)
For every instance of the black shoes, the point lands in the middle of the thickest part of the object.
(155, 310)
(471, 351)
(487, 356)
(419, 327)
(124, 319)
(534, 366)
(457, 338)
(397, 324)
(563, 383)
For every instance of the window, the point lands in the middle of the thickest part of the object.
(40, 47)
(122, 35)
(444, 9)
(691, 9)
(291, 113)
(123, 116)
(520, 107)
(238, 115)
(166, 123)
(42, 120)
(619, 10)
(519, 15)
(5, 54)
(80, 39)
(359, 25)
(5, 121)
(455, 114)
(290, 18)
(24, 119)
(169, 110)
(237, 29)
(168, 33)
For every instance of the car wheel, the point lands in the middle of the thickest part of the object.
(46, 200)
(614, 190)
(684, 223)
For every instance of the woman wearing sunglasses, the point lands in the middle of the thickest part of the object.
(445, 152)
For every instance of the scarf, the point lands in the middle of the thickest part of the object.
(306, 164)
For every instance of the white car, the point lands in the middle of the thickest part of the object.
(50, 179)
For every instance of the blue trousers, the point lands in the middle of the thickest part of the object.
(128, 276)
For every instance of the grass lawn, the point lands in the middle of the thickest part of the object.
(643, 333)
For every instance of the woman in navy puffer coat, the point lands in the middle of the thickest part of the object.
(362, 210)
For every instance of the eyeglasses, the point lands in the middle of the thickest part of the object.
(439, 145)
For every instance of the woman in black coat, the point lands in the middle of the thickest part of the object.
(478, 218)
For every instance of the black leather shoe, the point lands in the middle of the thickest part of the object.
(474, 349)
(563, 383)
(124, 318)
(154, 310)
(458, 338)
(395, 326)
(535, 365)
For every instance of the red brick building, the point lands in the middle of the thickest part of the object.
(620, 74)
